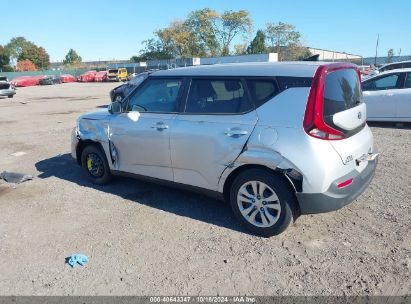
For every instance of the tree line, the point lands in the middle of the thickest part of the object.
(206, 32)
(23, 55)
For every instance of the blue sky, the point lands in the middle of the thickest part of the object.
(107, 29)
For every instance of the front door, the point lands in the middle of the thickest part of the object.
(141, 134)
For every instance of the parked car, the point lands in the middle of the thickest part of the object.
(6, 88)
(119, 74)
(274, 139)
(388, 96)
(118, 93)
(88, 76)
(50, 79)
(65, 78)
(101, 76)
(25, 81)
(388, 67)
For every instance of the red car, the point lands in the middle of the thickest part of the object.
(67, 78)
(87, 76)
(101, 76)
(25, 81)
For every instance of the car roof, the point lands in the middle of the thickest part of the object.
(392, 63)
(295, 69)
(406, 70)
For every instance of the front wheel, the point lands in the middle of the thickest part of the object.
(96, 165)
(262, 202)
(10, 96)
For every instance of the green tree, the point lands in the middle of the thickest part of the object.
(390, 55)
(72, 58)
(15, 47)
(179, 41)
(257, 46)
(232, 24)
(203, 23)
(282, 35)
(4, 57)
(37, 55)
(153, 49)
(240, 49)
(204, 32)
(295, 52)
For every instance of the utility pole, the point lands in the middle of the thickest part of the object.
(376, 50)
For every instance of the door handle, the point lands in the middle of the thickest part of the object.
(160, 126)
(235, 133)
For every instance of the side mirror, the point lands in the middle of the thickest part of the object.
(114, 107)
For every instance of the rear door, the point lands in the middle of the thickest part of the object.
(216, 122)
(344, 110)
(404, 100)
(380, 95)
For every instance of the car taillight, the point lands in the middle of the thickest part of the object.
(314, 124)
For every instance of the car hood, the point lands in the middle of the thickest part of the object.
(102, 114)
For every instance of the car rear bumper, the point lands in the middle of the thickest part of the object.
(335, 198)
(7, 92)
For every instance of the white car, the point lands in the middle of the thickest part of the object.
(6, 88)
(388, 96)
(388, 67)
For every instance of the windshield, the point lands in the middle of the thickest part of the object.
(112, 71)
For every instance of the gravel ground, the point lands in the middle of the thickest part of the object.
(145, 239)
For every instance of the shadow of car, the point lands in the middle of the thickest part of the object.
(164, 198)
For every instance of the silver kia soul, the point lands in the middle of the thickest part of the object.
(276, 140)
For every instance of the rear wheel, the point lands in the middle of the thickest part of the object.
(262, 202)
(96, 165)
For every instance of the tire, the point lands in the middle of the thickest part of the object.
(94, 161)
(10, 96)
(267, 217)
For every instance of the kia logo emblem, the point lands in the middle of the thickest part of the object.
(359, 115)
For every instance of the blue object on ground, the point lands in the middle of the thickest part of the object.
(77, 258)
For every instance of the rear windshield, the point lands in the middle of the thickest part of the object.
(342, 91)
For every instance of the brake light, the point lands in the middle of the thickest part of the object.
(345, 183)
(359, 77)
(314, 124)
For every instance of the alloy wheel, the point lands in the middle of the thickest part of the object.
(258, 204)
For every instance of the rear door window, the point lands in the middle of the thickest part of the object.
(342, 91)
(217, 96)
